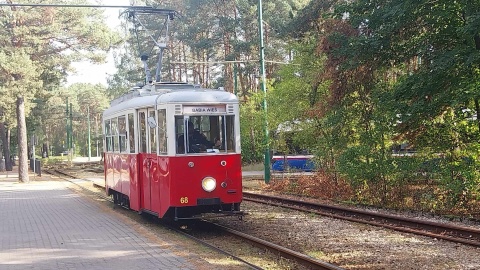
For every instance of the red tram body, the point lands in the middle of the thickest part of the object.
(173, 150)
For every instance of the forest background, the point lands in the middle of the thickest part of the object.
(364, 85)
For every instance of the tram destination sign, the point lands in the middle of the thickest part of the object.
(214, 109)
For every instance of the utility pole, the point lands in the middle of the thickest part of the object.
(235, 81)
(67, 127)
(264, 90)
(33, 142)
(89, 143)
(70, 147)
(96, 134)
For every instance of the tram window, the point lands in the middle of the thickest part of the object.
(131, 133)
(114, 126)
(204, 126)
(216, 134)
(179, 133)
(153, 138)
(162, 131)
(143, 132)
(230, 133)
(210, 134)
(108, 136)
(122, 134)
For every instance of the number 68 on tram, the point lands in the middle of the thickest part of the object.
(173, 150)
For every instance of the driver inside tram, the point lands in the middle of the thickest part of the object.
(197, 142)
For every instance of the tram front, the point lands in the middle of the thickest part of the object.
(202, 168)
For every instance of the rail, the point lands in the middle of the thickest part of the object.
(450, 232)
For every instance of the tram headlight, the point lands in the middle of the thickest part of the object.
(209, 184)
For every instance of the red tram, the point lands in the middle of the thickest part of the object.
(173, 150)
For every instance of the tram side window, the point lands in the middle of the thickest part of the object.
(153, 137)
(143, 132)
(108, 136)
(162, 131)
(216, 134)
(131, 133)
(114, 128)
(179, 133)
(122, 134)
(230, 133)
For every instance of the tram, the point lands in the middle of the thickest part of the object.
(173, 150)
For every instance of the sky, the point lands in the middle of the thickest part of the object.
(91, 73)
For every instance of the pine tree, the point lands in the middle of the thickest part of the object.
(37, 46)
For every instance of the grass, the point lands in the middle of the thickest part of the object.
(253, 167)
(54, 160)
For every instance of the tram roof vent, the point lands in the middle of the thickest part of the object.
(173, 86)
(230, 108)
(178, 109)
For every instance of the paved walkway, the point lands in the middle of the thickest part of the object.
(44, 226)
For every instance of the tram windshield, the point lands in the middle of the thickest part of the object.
(205, 134)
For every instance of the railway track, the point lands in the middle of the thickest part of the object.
(454, 233)
(302, 259)
(449, 232)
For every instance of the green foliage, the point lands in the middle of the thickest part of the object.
(305, 19)
(252, 132)
(128, 72)
(211, 32)
(362, 78)
(89, 102)
(291, 97)
(52, 161)
(48, 120)
(458, 177)
(289, 100)
(396, 72)
(37, 46)
(293, 93)
(207, 34)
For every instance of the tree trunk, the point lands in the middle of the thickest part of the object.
(173, 67)
(3, 138)
(46, 144)
(11, 157)
(22, 142)
(204, 73)
(185, 66)
(6, 146)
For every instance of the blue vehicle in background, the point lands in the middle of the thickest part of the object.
(288, 155)
(303, 163)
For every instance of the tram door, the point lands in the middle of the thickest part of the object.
(148, 147)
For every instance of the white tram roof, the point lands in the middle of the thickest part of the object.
(168, 93)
